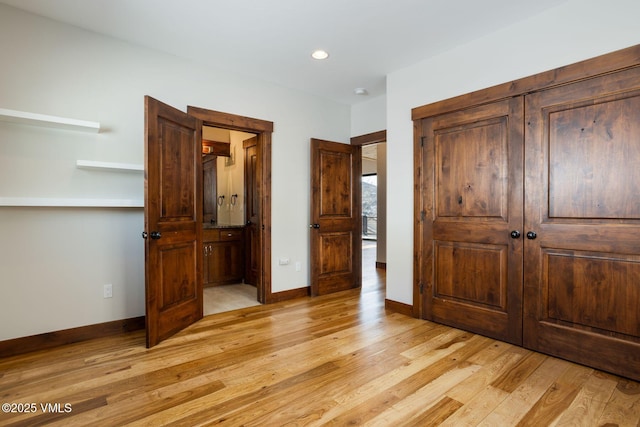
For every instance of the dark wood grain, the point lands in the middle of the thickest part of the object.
(370, 138)
(224, 250)
(336, 254)
(471, 194)
(230, 121)
(583, 269)
(173, 210)
(216, 148)
(209, 189)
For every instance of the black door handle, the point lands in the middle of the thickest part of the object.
(155, 235)
(515, 234)
(314, 225)
(531, 235)
(145, 234)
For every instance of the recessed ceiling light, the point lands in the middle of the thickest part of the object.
(320, 54)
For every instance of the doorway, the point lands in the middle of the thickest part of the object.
(262, 219)
(230, 216)
(374, 190)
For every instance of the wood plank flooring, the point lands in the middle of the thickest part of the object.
(339, 359)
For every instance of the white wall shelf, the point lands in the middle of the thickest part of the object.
(34, 119)
(73, 203)
(109, 166)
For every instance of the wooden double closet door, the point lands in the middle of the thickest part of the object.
(528, 219)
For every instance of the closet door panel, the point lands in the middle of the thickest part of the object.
(473, 267)
(582, 186)
(608, 305)
(594, 160)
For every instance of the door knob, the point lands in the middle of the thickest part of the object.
(155, 235)
(314, 225)
(531, 235)
(515, 234)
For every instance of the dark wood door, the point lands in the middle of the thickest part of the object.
(173, 220)
(582, 269)
(252, 211)
(336, 223)
(471, 271)
(210, 189)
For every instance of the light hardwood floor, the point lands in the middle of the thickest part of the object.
(339, 359)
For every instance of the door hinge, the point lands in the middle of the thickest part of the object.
(423, 215)
(421, 288)
(422, 141)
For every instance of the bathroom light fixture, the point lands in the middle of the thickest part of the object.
(360, 91)
(320, 54)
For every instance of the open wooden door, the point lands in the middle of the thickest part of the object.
(336, 223)
(173, 218)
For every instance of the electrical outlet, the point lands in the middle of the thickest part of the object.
(108, 291)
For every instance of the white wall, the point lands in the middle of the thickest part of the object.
(369, 116)
(574, 31)
(55, 261)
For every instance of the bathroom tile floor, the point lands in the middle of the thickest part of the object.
(218, 299)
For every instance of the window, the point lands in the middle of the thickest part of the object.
(369, 206)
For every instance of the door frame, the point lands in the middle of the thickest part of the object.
(370, 138)
(263, 130)
(379, 137)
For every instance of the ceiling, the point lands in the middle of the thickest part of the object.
(272, 40)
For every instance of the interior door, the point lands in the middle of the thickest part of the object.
(582, 269)
(472, 212)
(252, 210)
(336, 223)
(173, 220)
(210, 189)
